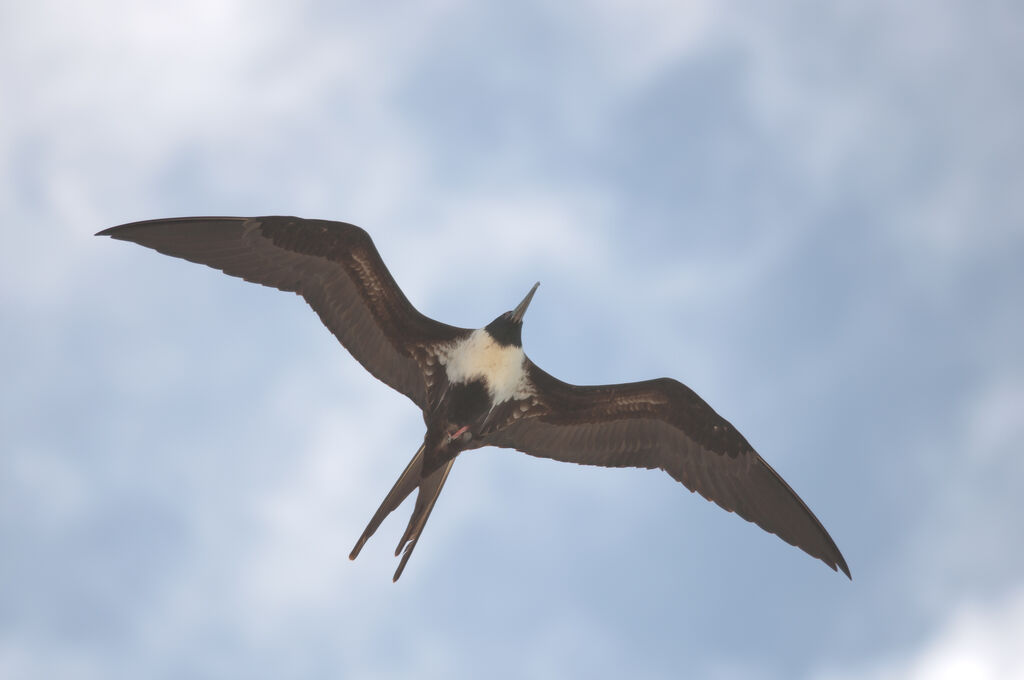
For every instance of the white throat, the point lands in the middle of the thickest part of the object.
(480, 357)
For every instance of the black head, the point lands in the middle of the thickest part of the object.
(507, 329)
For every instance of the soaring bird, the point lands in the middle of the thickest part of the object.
(478, 388)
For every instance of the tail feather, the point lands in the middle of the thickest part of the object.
(430, 489)
(407, 481)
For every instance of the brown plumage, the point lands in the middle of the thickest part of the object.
(477, 388)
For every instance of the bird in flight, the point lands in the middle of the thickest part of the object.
(478, 388)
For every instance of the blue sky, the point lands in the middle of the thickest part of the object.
(811, 215)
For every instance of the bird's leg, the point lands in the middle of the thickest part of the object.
(450, 437)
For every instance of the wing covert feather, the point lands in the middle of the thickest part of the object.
(333, 265)
(664, 424)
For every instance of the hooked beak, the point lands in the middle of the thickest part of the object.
(520, 310)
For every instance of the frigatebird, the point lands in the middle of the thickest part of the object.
(478, 388)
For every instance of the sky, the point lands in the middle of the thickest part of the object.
(812, 214)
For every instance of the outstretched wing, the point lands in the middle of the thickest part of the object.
(662, 424)
(333, 265)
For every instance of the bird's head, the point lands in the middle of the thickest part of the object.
(507, 329)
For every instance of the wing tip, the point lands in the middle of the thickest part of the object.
(121, 229)
(841, 564)
(118, 232)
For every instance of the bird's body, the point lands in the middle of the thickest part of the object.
(478, 388)
(480, 357)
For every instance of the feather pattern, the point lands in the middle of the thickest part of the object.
(662, 424)
(334, 266)
(477, 388)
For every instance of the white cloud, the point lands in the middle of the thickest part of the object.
(112, 96)
(279, 107)
(31, 473)
(915, 122)
(980, 641)
(639, 39)
(23, 658)
(311, 519)
(995, 422)
(532, 230)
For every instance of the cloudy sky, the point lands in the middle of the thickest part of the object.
(813, 216)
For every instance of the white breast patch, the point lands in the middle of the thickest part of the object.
(479, 357)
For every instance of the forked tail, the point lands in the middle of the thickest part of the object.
(429, 490)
